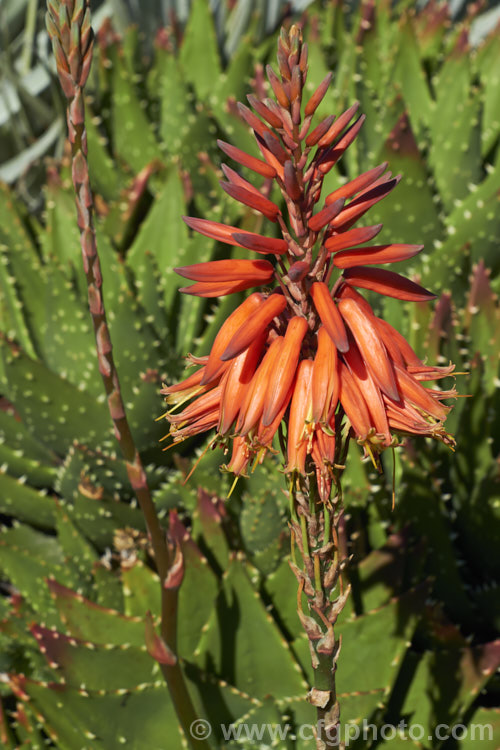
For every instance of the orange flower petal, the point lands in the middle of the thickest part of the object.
(325, 378)
(371, 393)
(260, 244)
(213, 229)
(363, 202)
(252, 120)
(237, 179)
(236, 382)
(370, 345)
(252, 199)
(277, 87)
(325, 216)
(275, 147)
(215, 365)
(207, 422)
(338, 126)
(348, 292)
(252, 327)
(240, 458)
(359, 183)
(204, 404)
(353, 403)
(351, 237)
(428, 372)
(216, 288)
(387, 282)
(330, 316)
(326, 445)
(298, 270)
(358, 256)
(254, 399)
(258, 271)
(264, 111)
(293, 189)
(190, 382)
(300, 409)
(419, 396)
(265, 433)
(286, 366)
(256, 165)
(319, 130)
(333, 154)
(396, 344)
(270, 157)
(317, 96)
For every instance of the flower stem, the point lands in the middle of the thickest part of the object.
(73, 60)
(313, 526)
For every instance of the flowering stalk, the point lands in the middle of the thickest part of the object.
(69, 27)
(314, 535)
(306, 359)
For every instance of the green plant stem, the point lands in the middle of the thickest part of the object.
(315, 534)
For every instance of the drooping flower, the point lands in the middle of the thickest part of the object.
(306, 354)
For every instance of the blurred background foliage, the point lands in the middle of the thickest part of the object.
(420, 634)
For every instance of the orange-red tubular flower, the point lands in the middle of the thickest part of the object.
(254, 400)
(220, 277)
(236, 382)
(396, 345)
(373, 351)
(246, 332)
(264, 434)
(240, 457)
(300, 418)
(215, 365)
(304, 355)
(259, 271)
(375, 254)
(325, 378)
(285, 368)
(371, 393)
(355, 186)
(351, 237)
(329, 315)
(387, 282)
(323, 455)
(354, 405)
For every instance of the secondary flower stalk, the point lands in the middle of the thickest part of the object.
(69, 27)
